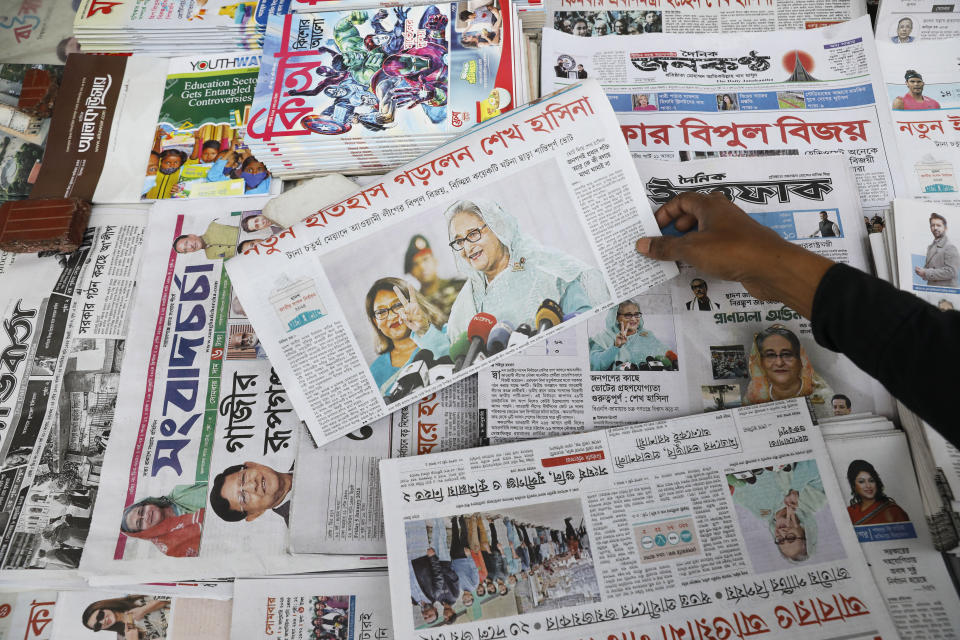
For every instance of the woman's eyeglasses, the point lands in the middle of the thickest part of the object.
(786, 356)
(396, 307)
(631, 316)
(98, 624)
(473, 235)
(790, 537)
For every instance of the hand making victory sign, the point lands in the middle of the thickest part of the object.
(411, 314)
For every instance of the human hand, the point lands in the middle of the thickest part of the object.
(411, 314)
(730, 245)
(792, 500)
(920, 271)
(431, 552)
(621, 338)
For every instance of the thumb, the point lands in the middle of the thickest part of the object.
(661, 247)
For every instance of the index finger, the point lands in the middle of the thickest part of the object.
(400, 296)
(685, 211)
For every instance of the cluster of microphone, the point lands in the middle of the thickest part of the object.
(667, 362)
(484, 337)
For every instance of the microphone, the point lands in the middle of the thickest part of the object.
(654, 364)
(478, 330)
(414, 374)
(441, 370)
(548, 315)
(518, 337)
(458, 351)
(499, 337)
(525, 329)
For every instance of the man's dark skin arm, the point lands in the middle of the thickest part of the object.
(902, 341)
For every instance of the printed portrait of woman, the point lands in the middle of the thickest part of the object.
(726, 102)
(780, 369)
(868, 503)
(509, 274)
(134, 617)
(404, 322)
(625, 344)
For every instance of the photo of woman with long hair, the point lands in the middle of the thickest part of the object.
(868, 503)
(134, 617)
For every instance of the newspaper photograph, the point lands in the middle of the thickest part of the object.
(799, 93)
(634, 17)
(591, 535)
(200, 483)
(928, 260)
(695, 344)
(336, 507)
(886, 512)
(97, 614)
(40, 31)
(323, 607)
(355, 341)
(65, 318)
(908, 21)
(923, 90)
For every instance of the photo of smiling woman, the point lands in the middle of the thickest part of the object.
(509, 273)
(780, 369)
(868, 503)
(172, 523)
(131, 618)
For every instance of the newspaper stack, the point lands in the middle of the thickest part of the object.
(161, 29)
(365, 91)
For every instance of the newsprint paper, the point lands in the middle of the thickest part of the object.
(61, 353)
(199, 481)
(695, 343)
(544, 203)
(798, 93)
(729, 524)
(332, 607)
(629, 17)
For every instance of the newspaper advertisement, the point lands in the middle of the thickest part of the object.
(332, 607)
(728, 524)
(928, 260)
(908, 21)
(886, 511)
(27, 614)
(88, 613)
(62, 347)
(593, 18)
(798, 93)
(336, 507)
(923, 90)
(696, 343)
(198, 147)
(538, 211)
(200, 482)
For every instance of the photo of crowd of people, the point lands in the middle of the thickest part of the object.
(211, 160)
(630, 341)
(476, 278)
(330, 618)
(607, 23)
(784, 516)
(728, 361)
(493, 564)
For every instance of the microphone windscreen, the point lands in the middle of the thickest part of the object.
(443, 360)
(459, 347)
(549, 313)
(499, 337)
(525, 329)
(424, 355)
(480, 326)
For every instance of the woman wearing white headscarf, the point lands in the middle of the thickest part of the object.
(509, 274)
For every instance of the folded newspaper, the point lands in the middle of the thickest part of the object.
(200, 481)
(799, 93)
(729, 524)
(696, 343)
(539, 210)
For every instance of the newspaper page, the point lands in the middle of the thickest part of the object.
(37, 31)
(198, 148)
(331, 607)
(27, 614)
(88, 613)
(695, 344)
(63, 344)
(616, 17)
(729, 524)
(102, 127)
(908, 21)
(210, 422)
(886, 512)
(923, 91)
(798, 93)
(539, 210)
(336, 504)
